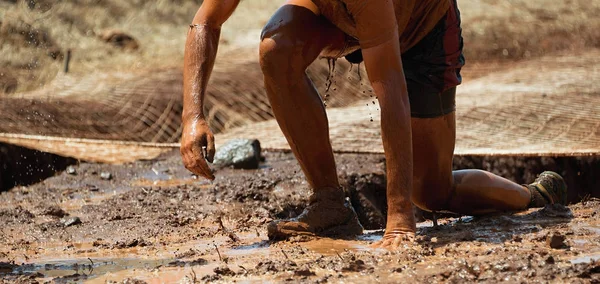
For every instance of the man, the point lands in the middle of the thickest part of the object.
(412, 51)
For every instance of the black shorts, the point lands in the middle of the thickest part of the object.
(432, 67)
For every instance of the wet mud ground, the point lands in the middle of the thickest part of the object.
(151, 221)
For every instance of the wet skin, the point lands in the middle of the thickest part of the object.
(197, 141)
(418, 151)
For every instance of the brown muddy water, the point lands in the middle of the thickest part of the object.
(152, 222)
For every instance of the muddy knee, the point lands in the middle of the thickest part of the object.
(290, 41)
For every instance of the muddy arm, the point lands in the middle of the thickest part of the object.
(197, 141)
(384, 67)
(200, 52)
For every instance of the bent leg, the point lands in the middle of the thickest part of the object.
(479, 192)
(291, 41)
(437, 188)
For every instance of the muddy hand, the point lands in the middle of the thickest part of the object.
(394, 240)
(197, 147)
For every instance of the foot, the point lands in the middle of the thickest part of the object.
(328, 214)
(548, 188)
(394, 239)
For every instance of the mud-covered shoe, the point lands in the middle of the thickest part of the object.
(328, 214)
(548, 188)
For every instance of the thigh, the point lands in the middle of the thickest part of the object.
(298, 27)
(433, 149)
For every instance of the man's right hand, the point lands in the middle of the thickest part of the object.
(196, 136)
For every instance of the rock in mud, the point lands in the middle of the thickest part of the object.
(556, 241)
(71, 170)
(72, 221)
(105, 175)
(239, 153)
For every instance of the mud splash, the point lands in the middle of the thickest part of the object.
(22, 166)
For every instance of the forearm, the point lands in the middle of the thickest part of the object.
(397, 138)
(197, 141)
(200, 53)
(384, 67)
(378, 35)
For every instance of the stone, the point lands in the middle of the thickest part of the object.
(105, 176)
(239, 153)
(71, 221)
(71, 170)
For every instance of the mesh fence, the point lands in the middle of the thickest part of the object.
(112, 117)
(544, 107)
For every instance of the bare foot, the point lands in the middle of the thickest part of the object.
(394, 239)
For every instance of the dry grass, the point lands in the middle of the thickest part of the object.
(519, 29)
(511, 29)
(159, 26)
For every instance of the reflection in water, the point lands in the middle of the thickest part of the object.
(102, 269)
(89, 267)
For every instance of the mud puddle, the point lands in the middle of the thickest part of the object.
(163, 176)
(87, 268)
(179, 263)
